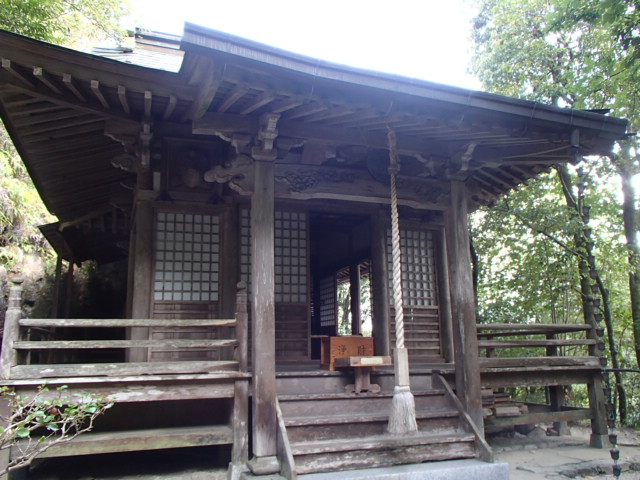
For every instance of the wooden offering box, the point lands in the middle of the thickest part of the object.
(345, 346)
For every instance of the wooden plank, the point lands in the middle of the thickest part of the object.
(539, 417)
(531, 328)
(217, 387)
(125, 322)
(93, 344)
(119, 369)
(510, 362)
(371, 361)
(138, 440)
(533, 343)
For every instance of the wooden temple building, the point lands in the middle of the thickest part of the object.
(237, 186)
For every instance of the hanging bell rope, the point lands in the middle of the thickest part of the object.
(403, 410)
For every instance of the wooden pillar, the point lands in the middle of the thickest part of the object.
(446, 326)
(142, 251)
(379, 285)
(57, 288)
(465, 339)
(263, 318)
(68, 291)
(354, 286)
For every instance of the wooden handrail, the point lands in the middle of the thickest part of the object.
(15, 339)
(484, 450)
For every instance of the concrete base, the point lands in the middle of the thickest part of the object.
(449, 470)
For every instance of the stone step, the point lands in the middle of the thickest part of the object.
(445, 470)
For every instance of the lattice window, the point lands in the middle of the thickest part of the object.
(291, 257)
(187, 262)
(418, 267)
(245, 247)
(290, 254)
(327, 297)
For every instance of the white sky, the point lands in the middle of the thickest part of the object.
(427, 39)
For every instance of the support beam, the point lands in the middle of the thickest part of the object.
(95, 88)
(122, 95)
(462, 305)
(67, 80)
(40, 75)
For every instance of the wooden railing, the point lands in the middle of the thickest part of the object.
(544, 356)
(29, 345)
(508, 345)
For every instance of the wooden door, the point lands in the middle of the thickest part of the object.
(420, 293)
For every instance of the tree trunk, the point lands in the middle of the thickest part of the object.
(630, 215)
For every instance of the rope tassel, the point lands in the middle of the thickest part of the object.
(402, 418)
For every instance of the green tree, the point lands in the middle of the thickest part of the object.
(572, 53)
(65, 22)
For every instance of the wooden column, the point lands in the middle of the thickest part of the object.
(463, 313)
(57, 288)
(263, 318)
(379, 285)
(142, 251)
(68, 296)
(446, 325)
(354, 286)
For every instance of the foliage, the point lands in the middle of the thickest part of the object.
(21, 210)
(65, 22)
(579, 54)
(36, 423)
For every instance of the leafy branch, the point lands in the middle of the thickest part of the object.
(34, 424)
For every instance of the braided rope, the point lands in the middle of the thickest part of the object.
(395, 240)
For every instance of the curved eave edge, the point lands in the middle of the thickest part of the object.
(197, 38)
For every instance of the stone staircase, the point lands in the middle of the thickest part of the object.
(334, 431)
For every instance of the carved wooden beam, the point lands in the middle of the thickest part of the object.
(306, 182)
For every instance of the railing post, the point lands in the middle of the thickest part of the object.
(9, 356)
(242, 334)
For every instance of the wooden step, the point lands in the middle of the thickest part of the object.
(138, 440)
(306, 428)
(378, 451)
(350, 404)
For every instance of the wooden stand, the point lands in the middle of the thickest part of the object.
(342, 347)
(362, 367)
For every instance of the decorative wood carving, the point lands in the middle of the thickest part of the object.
(308, 182)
